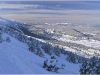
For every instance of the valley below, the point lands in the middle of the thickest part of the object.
(81, 39)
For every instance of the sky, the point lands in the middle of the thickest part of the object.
(78, 12)
(49, 0)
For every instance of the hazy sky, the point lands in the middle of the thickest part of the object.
(49, 0)
(82, 12)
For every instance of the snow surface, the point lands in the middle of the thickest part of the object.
(16, 59)
(90, 43)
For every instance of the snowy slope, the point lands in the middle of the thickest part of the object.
(16, 59)
(10, 23)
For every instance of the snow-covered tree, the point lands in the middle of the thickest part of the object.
(47, 48)
(1, 40)
(91, 66)
(31, 47)
(52, 64)
(57, 50)
(39, 52)
(8, 39)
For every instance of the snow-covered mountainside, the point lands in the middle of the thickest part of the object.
(25, 52)
(81, 39)
(16, 59)
(10, 23)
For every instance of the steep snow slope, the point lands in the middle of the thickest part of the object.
(16, 59)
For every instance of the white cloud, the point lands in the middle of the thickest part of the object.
(17, 6)
(46, 15)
